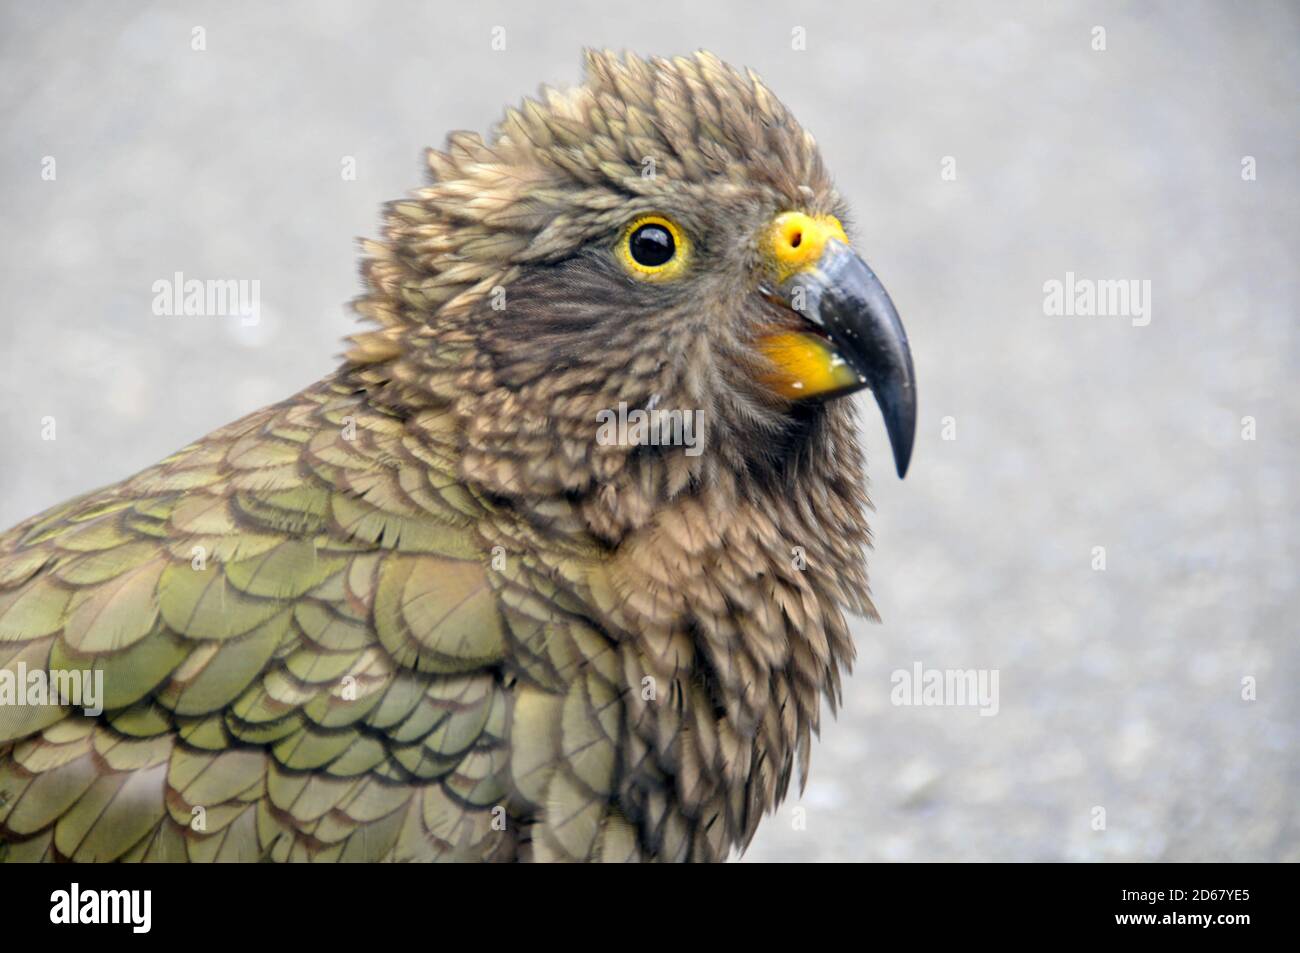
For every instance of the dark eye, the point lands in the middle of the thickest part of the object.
(654, 248)
(652, 245)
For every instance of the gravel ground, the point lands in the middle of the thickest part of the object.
(1120, 691)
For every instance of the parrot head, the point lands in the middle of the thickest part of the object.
(663, 237)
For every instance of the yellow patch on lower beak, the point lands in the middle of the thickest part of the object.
(805, 365)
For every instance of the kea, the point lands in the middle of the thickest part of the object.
(438, 606)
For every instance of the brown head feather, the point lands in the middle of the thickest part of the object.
(497, 298)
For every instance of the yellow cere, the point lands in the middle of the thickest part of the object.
(796, 241)
(669, 269)
(805, 365)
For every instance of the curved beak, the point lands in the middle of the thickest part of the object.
(843, 300)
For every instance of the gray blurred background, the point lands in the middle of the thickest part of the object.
(1119, 689)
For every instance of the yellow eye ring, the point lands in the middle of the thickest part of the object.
(653, 248)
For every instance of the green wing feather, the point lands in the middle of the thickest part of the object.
(306, 655)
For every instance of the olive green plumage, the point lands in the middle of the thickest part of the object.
(297, 636)
(415, 612)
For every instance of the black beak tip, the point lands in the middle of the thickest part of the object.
(902, 432)
(897, 402)
(901, 459)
